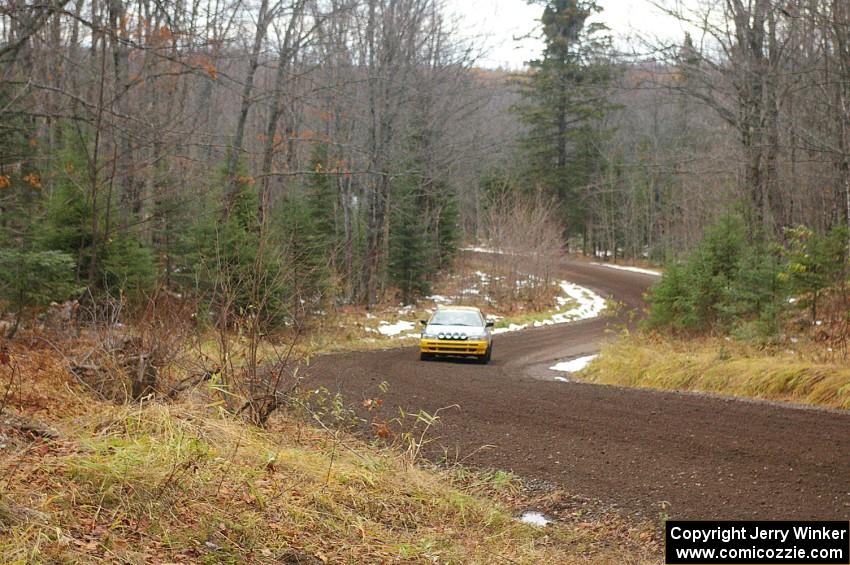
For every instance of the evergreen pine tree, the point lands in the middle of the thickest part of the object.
(30, 275)
(410, 251)
(320, 225)
(564, 97)
(726, 284)
(447, 229)
(815, 262)
(305, 225)
(233, 266)
(125, 265)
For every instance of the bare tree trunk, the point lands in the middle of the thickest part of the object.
(129, 195)
(94, 177)
(236, 145)
(841, 33)
(774, 195)
(288, 49)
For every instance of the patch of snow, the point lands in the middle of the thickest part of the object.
(562, 379)
(535, 518)
(632, 269)
(494, 250)
(438, 298)
(386, 328)
(590, 304)
(510, 328)
(480, 249)
(573, 365)
(819, 322)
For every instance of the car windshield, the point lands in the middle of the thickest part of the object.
(456, 318)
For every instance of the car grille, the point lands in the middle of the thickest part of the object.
(453, 346)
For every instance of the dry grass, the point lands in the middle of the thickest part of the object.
(34, 380)
(718, 365)
(188, 483)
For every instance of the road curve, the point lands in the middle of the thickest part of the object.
(708, 457)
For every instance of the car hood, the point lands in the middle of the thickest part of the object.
(433, 330)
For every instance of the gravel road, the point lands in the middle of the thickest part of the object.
(708, 457)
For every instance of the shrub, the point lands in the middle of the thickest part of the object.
(34, 278)
(815, 262)
(726, 284)
(111, 260)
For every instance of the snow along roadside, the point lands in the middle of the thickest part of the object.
(588, 304)
(632, 269)
(573, 365)
(651, 272)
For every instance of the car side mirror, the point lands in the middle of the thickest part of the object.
(489, 324)
(423, 322)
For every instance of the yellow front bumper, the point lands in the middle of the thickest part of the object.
(453, 346)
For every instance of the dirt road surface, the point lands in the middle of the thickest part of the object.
(708, 457)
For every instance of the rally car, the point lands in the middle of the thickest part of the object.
(456, 330)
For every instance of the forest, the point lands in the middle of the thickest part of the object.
(293, 155)
(226, 227)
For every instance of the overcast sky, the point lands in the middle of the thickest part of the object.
(495, 23)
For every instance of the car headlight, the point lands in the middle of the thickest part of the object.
(441, 335)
